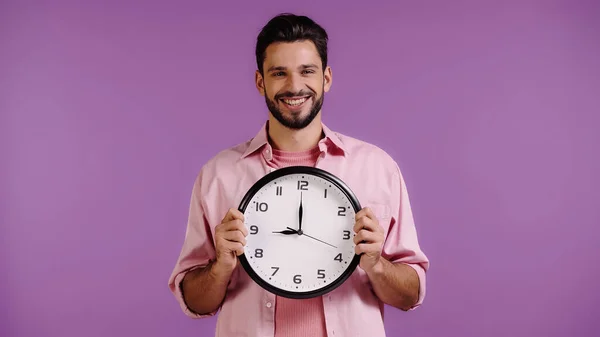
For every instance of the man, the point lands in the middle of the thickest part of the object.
(293, 76)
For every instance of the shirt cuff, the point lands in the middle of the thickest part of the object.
(422, 284)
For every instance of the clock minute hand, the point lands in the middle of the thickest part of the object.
(300, 215)
(300, 233)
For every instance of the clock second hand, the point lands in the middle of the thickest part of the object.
(299, 233)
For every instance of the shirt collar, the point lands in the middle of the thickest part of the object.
(261, 139)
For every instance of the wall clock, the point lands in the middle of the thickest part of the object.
(300, 223)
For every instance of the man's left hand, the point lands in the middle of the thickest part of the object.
(369, 239)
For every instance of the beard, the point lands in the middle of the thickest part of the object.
(295, 121)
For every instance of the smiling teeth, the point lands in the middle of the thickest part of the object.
(294, 101)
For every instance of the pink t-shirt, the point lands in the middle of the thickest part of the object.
(298, 318)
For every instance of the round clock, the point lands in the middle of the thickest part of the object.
(300, 223)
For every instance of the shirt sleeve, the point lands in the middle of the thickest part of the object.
(402, 244)
(197, 251)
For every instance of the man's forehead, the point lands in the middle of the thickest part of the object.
(291, 54)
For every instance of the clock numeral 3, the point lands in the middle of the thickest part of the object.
(262, 206)
(253, 229)
(302, 185)
(341, 211)
(321, 273)
(258, 253)
(276, 270)
(346, 235)
(297, 279)
(338, 257)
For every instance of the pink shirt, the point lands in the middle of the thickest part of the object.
(352, 309)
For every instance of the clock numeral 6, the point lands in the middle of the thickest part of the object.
(258, 253)
(321, 273)
(338, 257)
(341, 211)
(302, 185)
(346, 235)
(262, 206)
(253, 229)
(297, 279)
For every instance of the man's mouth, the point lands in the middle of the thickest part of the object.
(295, 102)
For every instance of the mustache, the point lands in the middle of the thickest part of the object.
(294, 94)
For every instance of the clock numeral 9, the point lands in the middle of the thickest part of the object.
(338, 257)
(258, 253)
(341, 211)
(297, 279)
(302, 185)
(321, 273)
(346, 235)
(262, 206)
(253, 229)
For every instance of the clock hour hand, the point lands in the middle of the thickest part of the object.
(301, 233)
(287, 232)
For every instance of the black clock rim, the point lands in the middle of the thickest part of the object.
(333, 179)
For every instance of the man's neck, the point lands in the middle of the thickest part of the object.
(291, 140)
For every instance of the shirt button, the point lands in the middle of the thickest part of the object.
(269, 304)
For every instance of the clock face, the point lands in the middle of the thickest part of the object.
(300, 232)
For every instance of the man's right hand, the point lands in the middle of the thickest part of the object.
(230, 238)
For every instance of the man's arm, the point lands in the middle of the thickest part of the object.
(204, 289)
(396, 284)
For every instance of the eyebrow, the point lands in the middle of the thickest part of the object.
(281, 68)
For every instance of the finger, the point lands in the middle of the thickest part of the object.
(234, 236)
(366, 237)
(365, 212)
(233, 247)
(364, 222)
(366, 248)
(233, 214)
(233, 225)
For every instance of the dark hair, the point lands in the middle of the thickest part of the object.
(288, 27)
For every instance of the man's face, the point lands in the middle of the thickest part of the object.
(293, 83)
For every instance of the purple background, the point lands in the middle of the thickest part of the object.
(108, 110)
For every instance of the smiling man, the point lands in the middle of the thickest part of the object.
(293, 75)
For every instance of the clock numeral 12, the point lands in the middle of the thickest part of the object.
(302, 185)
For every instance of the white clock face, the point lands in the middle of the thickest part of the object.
(293, 256)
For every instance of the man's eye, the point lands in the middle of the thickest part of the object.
(308, 72)
(279, 73)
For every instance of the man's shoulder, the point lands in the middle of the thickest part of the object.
(225, 160)
(362, 150)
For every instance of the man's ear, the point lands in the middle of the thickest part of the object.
(327, 79)
(260, 82)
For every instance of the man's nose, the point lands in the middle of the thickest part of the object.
(295, 83)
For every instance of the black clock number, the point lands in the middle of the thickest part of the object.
(262, 206)
(258, 253)
(278, 190)
(346, 235)
(325, 194)
(253, 229)
(297, 279)
(303, 185)
(341, 211)
(321, 273)
(338, 257)
(276, 270)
